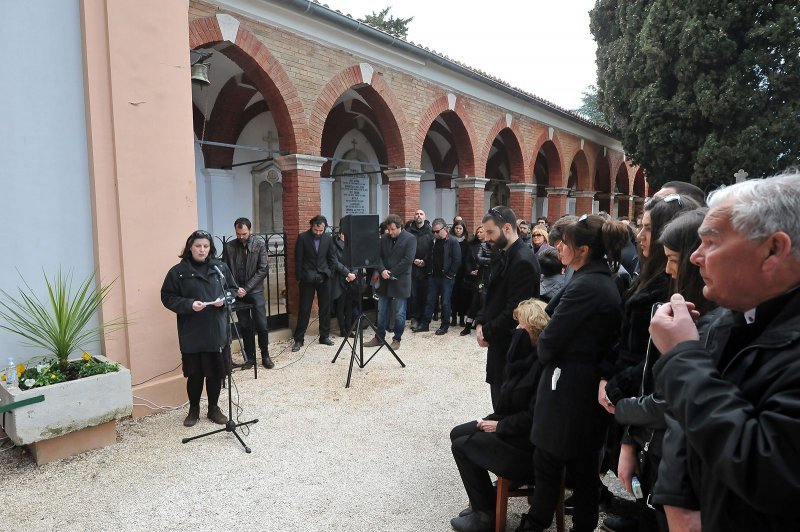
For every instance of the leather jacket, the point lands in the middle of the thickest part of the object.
(256, 267)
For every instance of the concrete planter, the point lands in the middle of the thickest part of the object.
(91, 403)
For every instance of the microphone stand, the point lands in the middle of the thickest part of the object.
(231, 425)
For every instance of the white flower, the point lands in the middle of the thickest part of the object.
(30, 382)
(41, 368)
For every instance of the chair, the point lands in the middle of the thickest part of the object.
(504, 493)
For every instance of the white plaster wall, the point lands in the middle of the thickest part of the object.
(46, 213)
(427, 189)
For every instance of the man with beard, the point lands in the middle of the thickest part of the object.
(420, 229)
(514, 277)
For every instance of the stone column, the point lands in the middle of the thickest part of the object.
(470, 199)
(301, 202)
(404, 191)
(623, 205)
(606, 200)
(521, 199)
(584, 200)
(556, 202)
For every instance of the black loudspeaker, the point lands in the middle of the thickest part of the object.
(361, 242)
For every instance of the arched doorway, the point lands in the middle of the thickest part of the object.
(504, 165)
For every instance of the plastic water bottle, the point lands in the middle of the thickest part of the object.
(11, 372)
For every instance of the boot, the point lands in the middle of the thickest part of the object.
(467, 329)
(193, 416)
(216, 415)
(266, 361)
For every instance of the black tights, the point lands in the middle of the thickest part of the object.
(194, 388)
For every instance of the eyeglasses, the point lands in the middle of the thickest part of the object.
(201, 234)
(673, 197)
(495, 213)
(535, 235)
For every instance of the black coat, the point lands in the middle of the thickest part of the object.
(398, 260)
(740, 416)
(578, 339)
(514, 277)
(452, 257)
(207, 330)
(316, 267)
(424, 236)
(256, 265)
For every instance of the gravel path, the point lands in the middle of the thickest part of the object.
(373, 457)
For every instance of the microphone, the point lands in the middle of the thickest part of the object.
(216, 269)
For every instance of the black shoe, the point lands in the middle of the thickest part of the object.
(192, 416)
(526, 526)
(216, 415)
(478, 521)
(248, 364)
(466, 331)
(237, 365)
(326, 341)
(454, 320)
(616, 523)
(421, 328)
(465, 511)
(267, 362)
(298, 344)
(440, 331)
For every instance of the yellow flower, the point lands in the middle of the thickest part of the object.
(20, 369)
(52, 376)
(86, 356)
(3, 377)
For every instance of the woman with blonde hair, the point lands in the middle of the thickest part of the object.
(500, 442)
(539, 241)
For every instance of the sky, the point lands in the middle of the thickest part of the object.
(542, 47)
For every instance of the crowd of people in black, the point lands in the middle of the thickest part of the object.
(667, 354)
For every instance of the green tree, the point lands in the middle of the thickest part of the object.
(589, 107)
(697, 90)
(392, 25)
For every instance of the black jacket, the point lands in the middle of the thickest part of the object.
(452, 257)
(514, 277)
(256, 266)
(740, 418)
(398, 259)
(515, 407)
(315, 267)
(578, 340)
(424, 237)
(185, 283)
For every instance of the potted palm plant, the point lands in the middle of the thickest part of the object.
(82, 392)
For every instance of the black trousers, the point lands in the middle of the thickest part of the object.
(344, 312)
(307, 291)
(252, 321)
(419, 297)
(583, 473)
(476, 453)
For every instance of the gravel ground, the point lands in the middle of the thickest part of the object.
(369, 458)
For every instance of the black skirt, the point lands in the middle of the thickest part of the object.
(212, 365)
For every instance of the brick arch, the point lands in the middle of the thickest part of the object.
(639, 183)
(602, 182)
(267, 75)
(553, 154)
(379, 96)
(584, 180)
(516, 149)
(460, 126)
(622, 179)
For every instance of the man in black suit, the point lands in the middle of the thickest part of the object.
(315, 266)
(514, 277)
(397, 254)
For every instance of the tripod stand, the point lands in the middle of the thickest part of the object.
(231, 425)
(357, 347)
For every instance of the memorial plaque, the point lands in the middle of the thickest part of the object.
(355, 194)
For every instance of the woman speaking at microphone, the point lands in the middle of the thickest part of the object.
(192, 290)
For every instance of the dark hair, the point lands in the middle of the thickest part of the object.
(242, 221)
(503, 214)
(318, 220)
(548, 262)
(687, 189)
(546, 221)
(465, 233)
(557, 229)
(680, 235)
(662, 210)
(438, 221)
(198, 235)
(604, 238)
(393, 219)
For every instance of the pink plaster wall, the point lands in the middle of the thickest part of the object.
(142, 171)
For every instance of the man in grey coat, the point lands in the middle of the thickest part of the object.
(397, 254)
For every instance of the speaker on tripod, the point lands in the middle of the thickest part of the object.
(361, 241)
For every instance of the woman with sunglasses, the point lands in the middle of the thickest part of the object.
(640, 452)
(574, 349)
(539, 241)
(193, 290)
